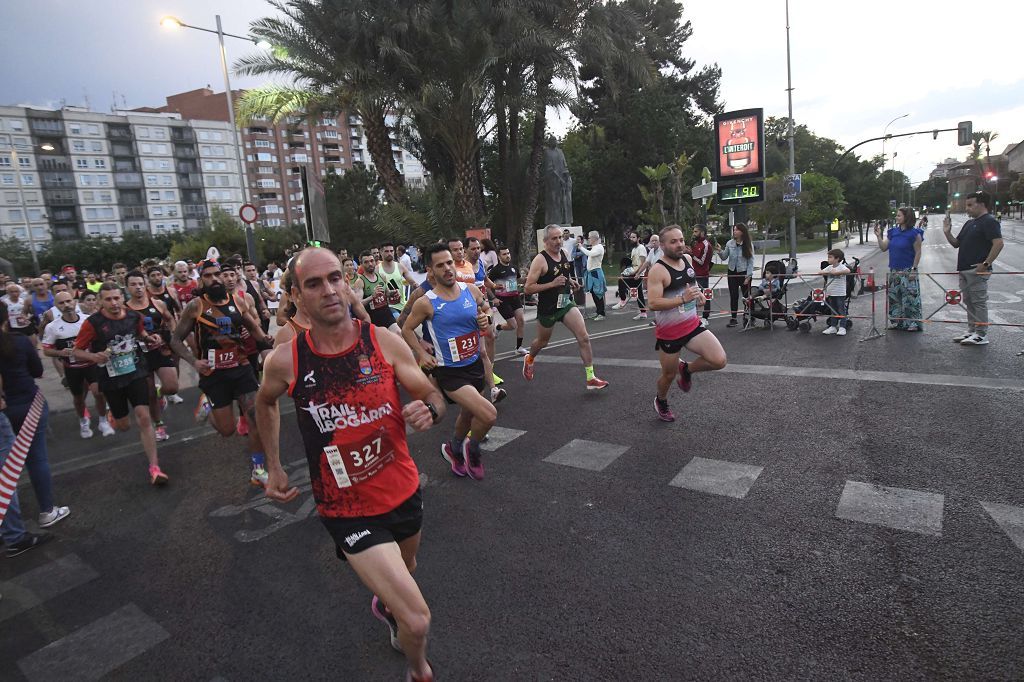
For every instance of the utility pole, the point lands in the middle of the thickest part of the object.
(792, 144)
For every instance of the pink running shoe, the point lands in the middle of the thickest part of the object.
(242, 427)
(454, 457)
(684, 380)
(664, 414)
(381, 613)
(474, 465)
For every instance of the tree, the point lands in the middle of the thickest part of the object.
(654, 193)
(16, 251)
(821, 201)
(352, 202)
(932, 193)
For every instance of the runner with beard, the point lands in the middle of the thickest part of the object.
(506, 277)
(343, 376)
(112, 339)
(182, 283)
(157, 320)
(158, 289)
(224, 373)
(455, 313)
(472, 272)
(81, 376)
(373, 293)
(672, 296)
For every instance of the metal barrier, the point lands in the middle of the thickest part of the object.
(951, 298)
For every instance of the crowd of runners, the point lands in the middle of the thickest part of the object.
(348, 333)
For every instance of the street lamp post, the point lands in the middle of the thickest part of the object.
(792, 145)
(174, 22)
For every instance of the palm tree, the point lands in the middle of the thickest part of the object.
(338, 54)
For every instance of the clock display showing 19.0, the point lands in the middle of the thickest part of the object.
(742, 193)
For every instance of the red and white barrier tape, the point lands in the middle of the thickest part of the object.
(15, 462)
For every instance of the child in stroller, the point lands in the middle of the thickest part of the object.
(833, 301)
(766, 300)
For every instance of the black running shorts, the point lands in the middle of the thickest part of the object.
(156, 360)
(359, 533)
(382, 317)
(673, 346)
(79, 378)
(225, 386)
(135, 394)
(507, 307)
(451, 379)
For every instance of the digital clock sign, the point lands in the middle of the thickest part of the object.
(743, 193)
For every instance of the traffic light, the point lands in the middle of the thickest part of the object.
(957, 195)
(964, 133)
(989, 175)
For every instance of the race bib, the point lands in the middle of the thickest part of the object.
(222, 359)
(359, 463)
(564, 299)
(511, 285)
(394, 296)
(121, 364)
(464, 346)
(379, 300)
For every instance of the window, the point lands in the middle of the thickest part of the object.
(331, 134)
(93, 129)
(106, 197)
(28, 179)
(85, 180)
(96, 146)
(142, 132)
(78, 145)
(93, 230)
(16, 125)
(203, 136)
(273, 222)
(172, 211)
(159, 227)
(329, 122)
(109, 228)
(266, 183)
(146, 148)
(75, 128)
(154, 195)
(102, 213)
(265, 157)
(5, 162)
(262, 143)
(217, 136)
(99, 163)
(24, 161)
(164, 164)
(159, 134)
(87, 196)
(166, 180)
(20, 232)
(31, 197)
(266, 169)
(148, 164)
(151, 180)
(81, 163)
(103, 180)
(157, 211)
(15, 215)
(168, 195)
(11, 197)
(35, 214)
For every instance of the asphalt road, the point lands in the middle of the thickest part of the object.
(824, 508)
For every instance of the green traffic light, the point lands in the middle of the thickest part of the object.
(957, 195)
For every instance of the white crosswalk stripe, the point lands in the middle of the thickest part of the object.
(730, 479)
(1010, 519)
(586, 454)
(41, 584)
(499, 437)
(899, 508)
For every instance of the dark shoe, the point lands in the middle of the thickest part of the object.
(732, 323)
(28, 542)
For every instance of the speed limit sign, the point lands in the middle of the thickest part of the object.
(247, 213)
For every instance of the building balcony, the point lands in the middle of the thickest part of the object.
(126, 166)
(192, 196)
(54, 164)
(57, 180)
(46, 126)
(182, 151)
(63, 215)
(182, 135)
(66, 232)
(134, 213)
(127, 180)
(196, 211)
(60, 197)
(190, 181)
(117, 133)
(187, 167)
(122, 150)
(130, 198)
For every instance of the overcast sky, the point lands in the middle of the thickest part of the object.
(856, 65)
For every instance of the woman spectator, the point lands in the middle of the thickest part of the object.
(739, 255)
(489, 255)
(20, 366)
(903, 242)
(593, 278)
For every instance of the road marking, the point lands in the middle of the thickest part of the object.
(898, 508)
(100, 647)
(1010, 519)
(586, 454)
(32, 588)
(499, 437)
(818, 373)
(714, 476)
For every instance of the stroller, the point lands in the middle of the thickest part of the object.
(809, 309)
(766, 300)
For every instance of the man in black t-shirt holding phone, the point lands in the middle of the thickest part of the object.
(980, 240)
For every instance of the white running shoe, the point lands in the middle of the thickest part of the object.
(641, 316)
(959, 339)
(51, 517)
(84, 429)
(106, 429)
(975, 340)
(175, 399)
(619, 306)
(829, 331)
(522, 352)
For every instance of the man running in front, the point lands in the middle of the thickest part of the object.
(343, 375)
(550, 277)
(672, 296)
(111, 339)
(156, 319)
(455, 313)
(224, 372)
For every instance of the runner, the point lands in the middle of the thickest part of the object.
(111, 339)
(257, 288)
(551, 279)
(455, 313)
(184, 286)
(343, 376)
(674, 299)
(80, 376)
(469, 270)
(224, 373)
(396, 277)
(510, 304)
(159, 290)
(157, 320)
(372, 291)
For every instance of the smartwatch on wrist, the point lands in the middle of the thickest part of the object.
(433, 412)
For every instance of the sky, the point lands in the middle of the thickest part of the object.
(855, 65)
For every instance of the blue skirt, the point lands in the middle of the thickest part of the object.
(595, 283)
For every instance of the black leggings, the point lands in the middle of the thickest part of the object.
(704, 283)
(598, 303)
(627, 283)
(737, 283)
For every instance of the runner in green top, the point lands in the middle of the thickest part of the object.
(396, 276)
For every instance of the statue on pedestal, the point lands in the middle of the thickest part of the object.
(557, 187)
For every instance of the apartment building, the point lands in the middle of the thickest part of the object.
(83, 173)
(274, 153)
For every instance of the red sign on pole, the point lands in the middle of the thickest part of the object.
(248, 213)
(739, 141)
